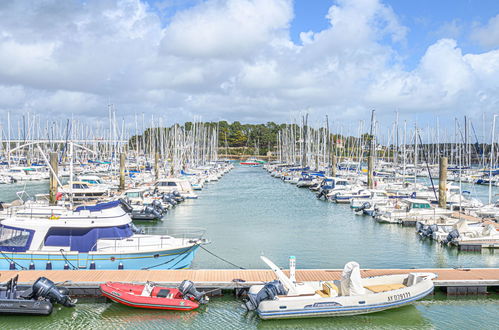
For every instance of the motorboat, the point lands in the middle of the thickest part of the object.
(345, 196)
(142, 206)
(170, 185)
(286, 297)
(36, 300)
(152, 296)
(81, 190)
(410, 209)
(97, 236)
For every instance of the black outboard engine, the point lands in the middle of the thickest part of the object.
(45, 288)
(188, 290)
(125, 206)
(269, 291)
(153, 211)
(452, 235)
(364, 206)
(158, 206)
(177, 196)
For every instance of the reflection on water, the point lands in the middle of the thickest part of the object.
(227, 313)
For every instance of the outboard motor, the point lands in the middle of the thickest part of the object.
(177, 196)
(45, 288)
(452, 235)
(188, 290)
(269, 291)
(364, 206)
(136, 230)
(151, 210)
(125, 205)
(158, 206)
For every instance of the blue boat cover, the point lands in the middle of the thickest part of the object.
(98, 207)
(84, 239)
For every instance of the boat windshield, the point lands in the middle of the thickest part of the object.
(420, 206)
(167, 184)
(14, 239)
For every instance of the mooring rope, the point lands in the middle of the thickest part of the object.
(225, 260)
(185, 256)
(69, 262)
(12, 260)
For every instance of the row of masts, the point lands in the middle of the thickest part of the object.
(178, 146)
(403, 144)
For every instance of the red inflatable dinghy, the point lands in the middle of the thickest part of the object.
(148, 296)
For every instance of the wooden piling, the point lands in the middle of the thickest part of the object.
(333, 165)
(53, 179)
(442, 184)
(370, 172)
(122, 171)
(156, 166)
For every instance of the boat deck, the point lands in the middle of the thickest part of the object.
(232, 279)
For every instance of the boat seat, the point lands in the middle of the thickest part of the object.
(384, 287)
(329, 289)
(163, 293)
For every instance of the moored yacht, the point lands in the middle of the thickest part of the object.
(90, 237)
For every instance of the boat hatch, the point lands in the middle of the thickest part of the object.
(283, 307)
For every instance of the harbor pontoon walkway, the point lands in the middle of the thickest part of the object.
(454, 280)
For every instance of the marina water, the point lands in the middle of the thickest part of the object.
(247, 214)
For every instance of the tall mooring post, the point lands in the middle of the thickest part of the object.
(370, 172)
(122, 171)
(53, 179)
(442, 183)
(333, 165)
(156, 166)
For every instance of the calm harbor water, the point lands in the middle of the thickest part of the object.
(247, 214)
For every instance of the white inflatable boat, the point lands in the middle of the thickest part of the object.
(287, 298)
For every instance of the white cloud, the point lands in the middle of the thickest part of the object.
(226, 29)
(231, 59)
(488, 35)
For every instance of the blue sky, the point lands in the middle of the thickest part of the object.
(427, 21)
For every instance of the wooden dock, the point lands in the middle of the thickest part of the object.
(86, 282)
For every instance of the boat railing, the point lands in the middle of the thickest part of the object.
(187, 236)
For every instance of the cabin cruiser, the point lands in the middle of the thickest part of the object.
(95, 181)
(463, 233)
(410, 209)
(369, 205)
(169, 185)
(330, 186)
(288, 298)
(142, 206)
(83, 191)
(100, 236)
(344, 196)
(24, 174)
